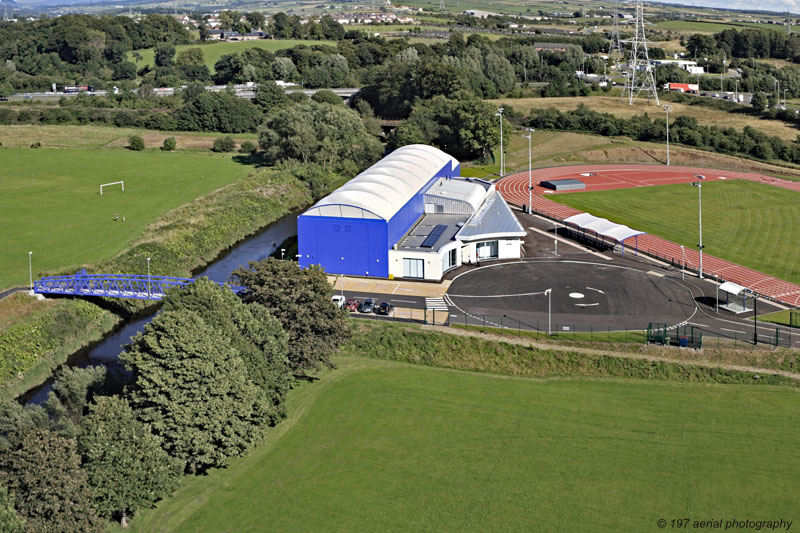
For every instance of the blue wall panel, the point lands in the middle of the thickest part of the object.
(356, 246)
(351, 246)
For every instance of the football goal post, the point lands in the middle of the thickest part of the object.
(112, 183)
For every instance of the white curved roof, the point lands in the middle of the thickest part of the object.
(601, 226)
(385, 187)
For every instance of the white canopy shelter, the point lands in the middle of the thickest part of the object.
(606, 228)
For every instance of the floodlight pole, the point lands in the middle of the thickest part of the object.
(30, 269)
(667, 108)
(548, 292)
(529, 136)
(699, 185)
(755, 317)
(502, 158)
(148, 279)
(683, 262)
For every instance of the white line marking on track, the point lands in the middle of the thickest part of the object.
(404, 301)
(493, 295)
(593, 289)
(733, 330)
(587, 305)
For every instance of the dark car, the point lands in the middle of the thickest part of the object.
(367, 306)
(384, 309)
(352, 304)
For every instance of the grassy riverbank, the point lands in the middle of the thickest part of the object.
(177, 242)
(37, 336)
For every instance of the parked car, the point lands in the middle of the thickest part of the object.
(384, 309)
(352, 304)
(367, 306)
(338, 300)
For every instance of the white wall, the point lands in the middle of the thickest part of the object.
(506, 249)
(432, 261)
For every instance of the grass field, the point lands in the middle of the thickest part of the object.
(748, 223)
(50, 202)
(213, 51)
(22, 136)
(691, 26)
(620, 108)
(386, 446)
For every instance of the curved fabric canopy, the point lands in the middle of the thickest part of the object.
(385, 187)
(604, 227)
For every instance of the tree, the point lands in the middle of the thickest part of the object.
(256, 335)
(10, 521)
(192, 388)
(248, 147)
(301, 300)
(255, 19)
(50, 490)
(136, 143)
(169, 144)
(224, 144)
(191, 57)
(73, 390)
(326, 96)
(331, 29)
(758, 101)
(269, 96)
(126, 466)
(164, 55)
(405, 134)
(332, 136)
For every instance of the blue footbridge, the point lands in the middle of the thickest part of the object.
(140, 287)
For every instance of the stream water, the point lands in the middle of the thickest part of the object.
(254, 248)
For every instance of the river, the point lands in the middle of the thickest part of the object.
(254, 248)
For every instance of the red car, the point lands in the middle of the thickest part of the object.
(352, 304)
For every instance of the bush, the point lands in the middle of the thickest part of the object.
(135, 142)
(37, 144)
(248, 147)
(169, 144)
(224, 144)
(327, 97)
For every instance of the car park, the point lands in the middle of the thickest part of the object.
(352, 304)
(368, 306)
(384, 309)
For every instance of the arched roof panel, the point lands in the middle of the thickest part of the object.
(385, 187)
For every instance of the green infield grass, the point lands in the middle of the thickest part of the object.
(392, 447)
(50, 201)
(750, 224)
(213, 51)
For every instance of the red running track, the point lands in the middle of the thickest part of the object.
(514, 189)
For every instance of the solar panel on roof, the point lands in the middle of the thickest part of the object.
(433, 236)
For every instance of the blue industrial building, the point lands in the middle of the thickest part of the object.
(352, 230)
(408, 216)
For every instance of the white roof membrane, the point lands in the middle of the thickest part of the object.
(385, 187)
(604, 227)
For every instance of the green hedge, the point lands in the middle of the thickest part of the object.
(413, 345)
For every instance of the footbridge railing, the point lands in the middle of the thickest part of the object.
(141, 287)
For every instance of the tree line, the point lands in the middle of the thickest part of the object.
(203, 382)
(684, 130)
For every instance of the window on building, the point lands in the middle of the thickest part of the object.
(413, 268)
(449, 259)
(487, 250)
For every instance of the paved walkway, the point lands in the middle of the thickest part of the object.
(387, 286)
(514, 189)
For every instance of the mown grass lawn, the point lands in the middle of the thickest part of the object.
(50, 201)
(386, 446)
(212, 52)
(750, 224)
